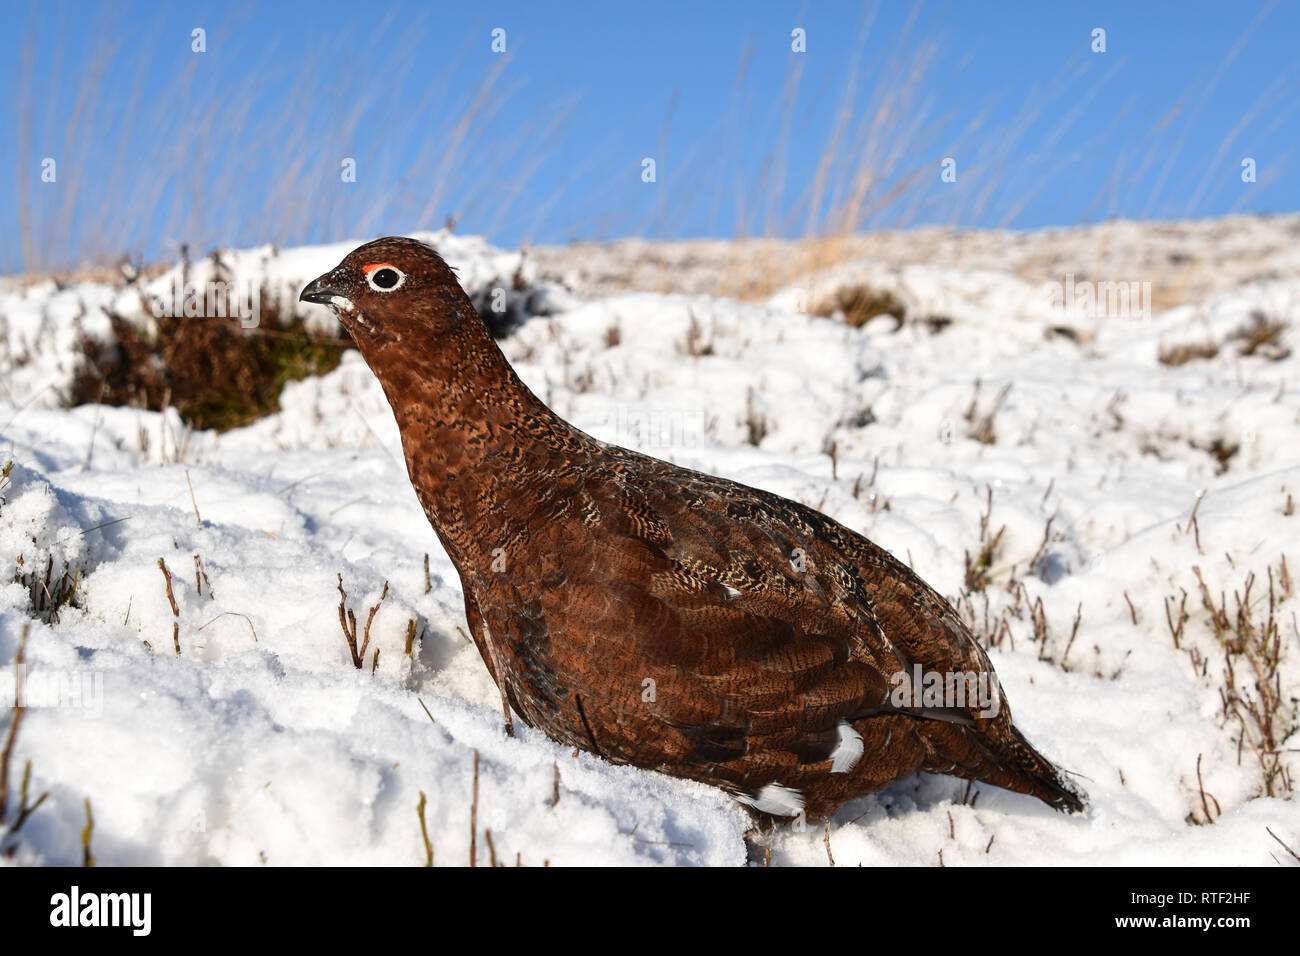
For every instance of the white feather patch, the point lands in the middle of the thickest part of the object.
(775, 799)
(848, 750)
(732, 593)
(342, 302)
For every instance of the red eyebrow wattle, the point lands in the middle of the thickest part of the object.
(377, 265)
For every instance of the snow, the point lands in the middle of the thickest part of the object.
(261, 743)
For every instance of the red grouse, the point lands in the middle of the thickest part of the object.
(659, 616)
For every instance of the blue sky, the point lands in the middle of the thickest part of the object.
(156, 145)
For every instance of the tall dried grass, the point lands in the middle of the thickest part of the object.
(187, 159)
(873, 133)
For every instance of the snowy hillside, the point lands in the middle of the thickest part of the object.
(1110, 498)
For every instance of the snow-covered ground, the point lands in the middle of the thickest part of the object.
(1185, 261)
(261, 743)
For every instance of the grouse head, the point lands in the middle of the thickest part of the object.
(392, 289)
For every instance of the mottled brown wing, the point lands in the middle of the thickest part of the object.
(702, 623)
(670, 619)
(976, 739)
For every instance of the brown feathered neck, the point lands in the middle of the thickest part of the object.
(473, 434)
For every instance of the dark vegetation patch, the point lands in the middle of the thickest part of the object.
(215, 373)
(1182, 354)
(504, 305)
(859, 304)
(1221, 450)
(1260, 337)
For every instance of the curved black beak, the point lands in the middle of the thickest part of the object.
(319, 291)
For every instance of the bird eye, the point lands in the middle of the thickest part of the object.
(385, 278)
